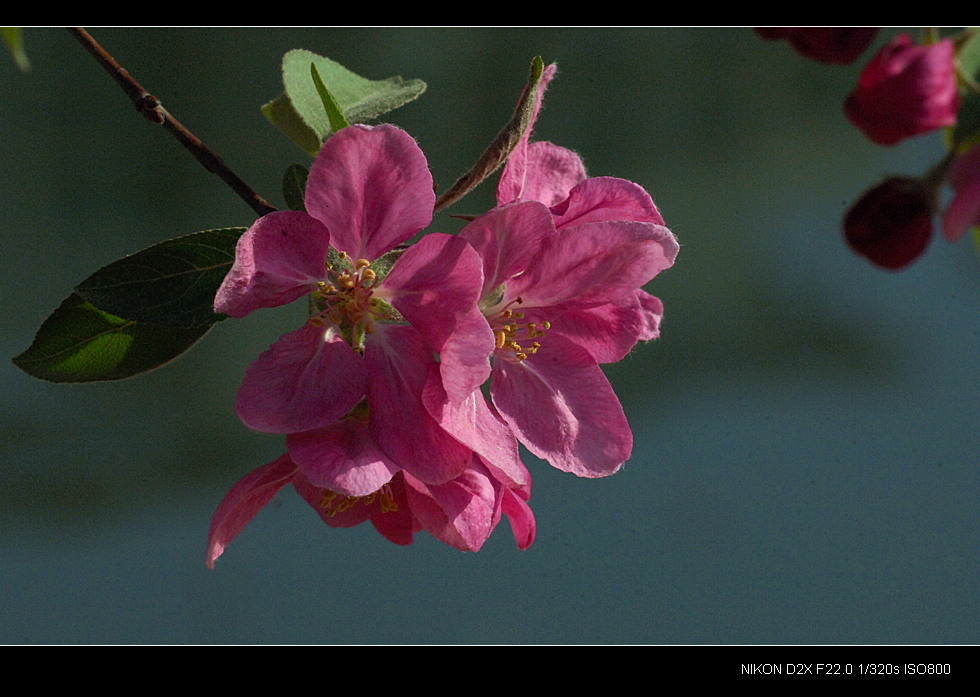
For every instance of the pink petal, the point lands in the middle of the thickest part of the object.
(562, 408)
(398, 363)
(277, 260)
(653, 313)
(474, 423)
(459, 512)
(309, 378)
(464, 360)
(963, 211)
(507, 238)
(435, 282)
(244, 501)
(551, 172)
(609, 332)
(606, 199)
(595, 263)
(342, 457)
(521, 519)
(371, 187)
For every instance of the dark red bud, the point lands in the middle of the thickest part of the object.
(891, 224)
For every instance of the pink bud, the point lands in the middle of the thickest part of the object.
(905, 90)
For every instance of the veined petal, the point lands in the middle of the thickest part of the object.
(609, 331)
(562, 408)
(474, 423)
(371, 187)
(249, 495)
(595, 263)
(435, 281)
(398, 363)
(507, 238)
(550, 172)
(342, 457)
(459, 512)
(277, 260)
(521, 518)
(308, 378)
(605, 199)
(653, 313)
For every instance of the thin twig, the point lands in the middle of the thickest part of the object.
(150, 107)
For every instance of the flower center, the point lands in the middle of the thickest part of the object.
(516, 338)
(345, 299)
(334, 503)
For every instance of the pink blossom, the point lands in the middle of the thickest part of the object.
(560, 302)
(905, 90)
(963, 211)
(372, 333)
(841, 45)
(564, 258)
(461, 512)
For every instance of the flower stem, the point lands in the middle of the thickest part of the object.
(150, 107)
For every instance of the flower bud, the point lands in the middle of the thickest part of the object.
(841, 45)
(905, 90)
(891, 223)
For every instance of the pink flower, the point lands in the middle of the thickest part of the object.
(963, 211)
(840, 45)
(905, 90)
(891, 224)
(564, 259)
(461, 513)
(372, 332)
(560, 302)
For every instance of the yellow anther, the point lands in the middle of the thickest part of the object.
(500, 337)
(369, 275)
(546, 324)
(361, 263)
(520, 356)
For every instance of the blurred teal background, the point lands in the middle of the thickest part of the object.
(805, 466)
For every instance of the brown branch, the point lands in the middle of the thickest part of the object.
(150, 107)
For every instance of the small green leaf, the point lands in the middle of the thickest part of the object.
(15, 44)
(294, 187)
(503, 145)
(283, 116)
(299, 111)
(171, 283)
(334, 115)
(967, 129)
(81, 343)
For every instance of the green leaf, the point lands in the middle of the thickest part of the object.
(281, 114)
(172, 283)
(503, 145)
(294, 187)
(299, 111)
(334, 115)
(967, 129)
(81, 343)
(15, 44)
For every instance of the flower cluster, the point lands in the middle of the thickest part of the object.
(422, 366)
(905, 90)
